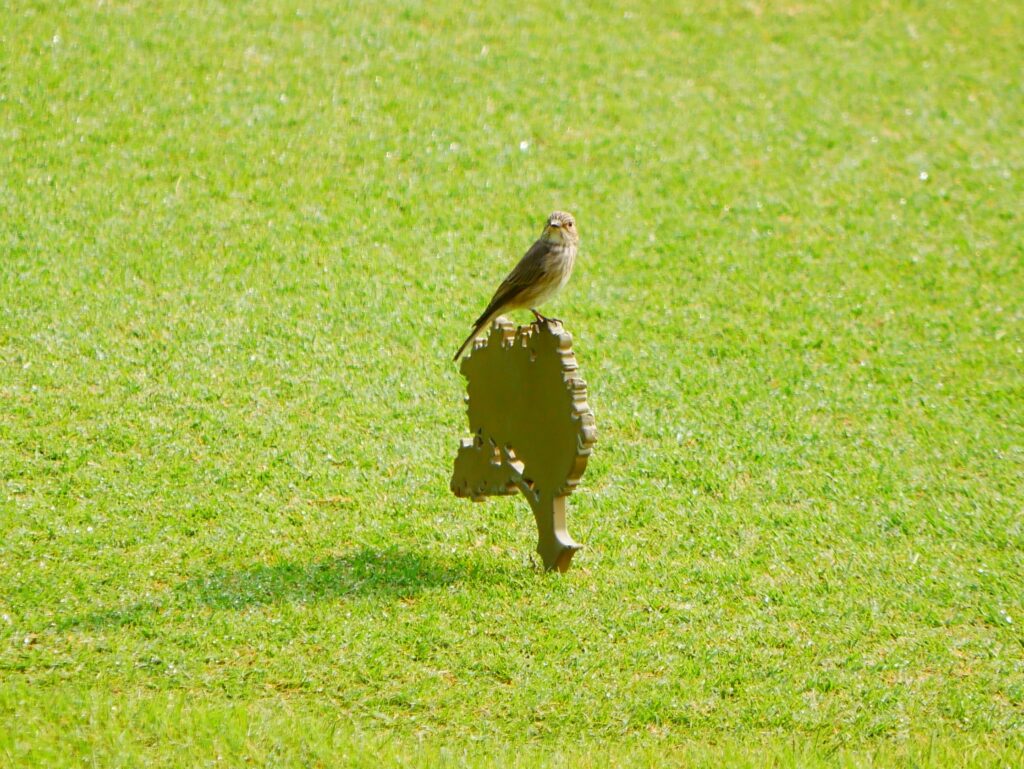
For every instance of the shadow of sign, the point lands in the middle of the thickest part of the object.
(385, 574)
(368, 572)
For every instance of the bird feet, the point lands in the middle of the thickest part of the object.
(543, 319)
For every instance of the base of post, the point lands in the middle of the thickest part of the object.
(557, 557)
(554, 545)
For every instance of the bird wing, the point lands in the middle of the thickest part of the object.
(526, 274)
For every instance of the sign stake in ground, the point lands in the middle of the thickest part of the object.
(533, 430)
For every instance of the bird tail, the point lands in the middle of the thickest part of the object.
(482, 322)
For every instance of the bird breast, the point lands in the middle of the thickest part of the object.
(560, 260)
(566, 256)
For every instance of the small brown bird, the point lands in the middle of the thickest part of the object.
(540, 274)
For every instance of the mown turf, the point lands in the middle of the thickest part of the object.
(239, 244)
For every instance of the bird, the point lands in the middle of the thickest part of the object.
(540, 274)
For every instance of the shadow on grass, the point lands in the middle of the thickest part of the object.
(387, 574)
(368, 572)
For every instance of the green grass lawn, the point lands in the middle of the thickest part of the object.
(239, 244)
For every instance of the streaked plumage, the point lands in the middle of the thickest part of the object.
(540, 274)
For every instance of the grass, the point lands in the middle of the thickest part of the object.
(239, 244)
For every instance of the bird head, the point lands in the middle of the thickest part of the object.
(561, 228)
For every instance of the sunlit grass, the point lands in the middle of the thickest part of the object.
(239, 244)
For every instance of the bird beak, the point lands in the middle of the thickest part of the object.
(554, 223)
